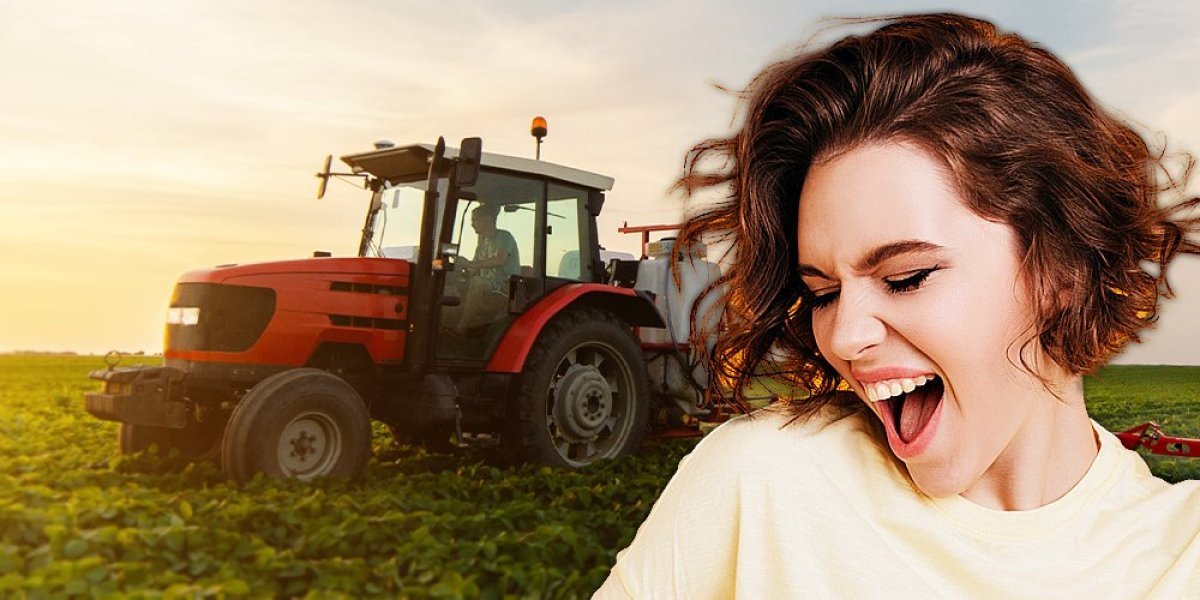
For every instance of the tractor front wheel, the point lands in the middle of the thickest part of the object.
(302, 424)
(583, 395)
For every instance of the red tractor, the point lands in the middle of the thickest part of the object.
(512, 332)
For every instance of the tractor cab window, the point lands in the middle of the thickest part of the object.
(476, 240)
(566, 254)
(496, 242)
(512, 202)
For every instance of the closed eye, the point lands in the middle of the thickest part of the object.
(913, 280)
(816, 301)
(908, 282)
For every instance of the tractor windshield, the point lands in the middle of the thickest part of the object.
(397, 230)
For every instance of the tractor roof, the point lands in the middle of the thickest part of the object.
(411, 163)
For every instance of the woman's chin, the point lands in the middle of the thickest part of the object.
(936, 488)
(938, 479)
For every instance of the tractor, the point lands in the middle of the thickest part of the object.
(518, 332)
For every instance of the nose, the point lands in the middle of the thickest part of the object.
(855, 328)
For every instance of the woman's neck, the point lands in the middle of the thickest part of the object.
(1051, 453)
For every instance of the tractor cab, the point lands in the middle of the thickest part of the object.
(519, 231)
(477, 311)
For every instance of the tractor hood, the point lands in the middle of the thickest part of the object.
(278, 313)
(372, 267)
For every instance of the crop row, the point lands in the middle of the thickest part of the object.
(77, 519)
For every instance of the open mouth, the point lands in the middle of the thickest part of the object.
(908, 413)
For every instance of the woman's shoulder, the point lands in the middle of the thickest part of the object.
(766, 440)
(779, 426)
(1137, 489)
(724, 505)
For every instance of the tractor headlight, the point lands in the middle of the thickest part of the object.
(183, 315)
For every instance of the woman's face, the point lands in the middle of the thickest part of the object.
(920, 306)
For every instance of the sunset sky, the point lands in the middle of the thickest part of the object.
(140, 140)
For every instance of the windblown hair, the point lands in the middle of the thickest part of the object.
(1022, 140)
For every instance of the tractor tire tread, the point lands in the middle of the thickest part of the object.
(249, 413)
(518, 438)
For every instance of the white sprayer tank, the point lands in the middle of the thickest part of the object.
(696, 274)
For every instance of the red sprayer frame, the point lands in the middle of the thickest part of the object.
(645, 231)
(1151, 437)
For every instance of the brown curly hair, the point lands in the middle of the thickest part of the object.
(1025, 144)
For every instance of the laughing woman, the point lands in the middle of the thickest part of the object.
(939, 232)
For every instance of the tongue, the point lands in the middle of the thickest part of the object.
(919, 405)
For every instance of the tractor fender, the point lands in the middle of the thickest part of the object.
(636, 307)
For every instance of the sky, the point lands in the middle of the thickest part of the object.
(140, 140)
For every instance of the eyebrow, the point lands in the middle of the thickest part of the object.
(878, 255)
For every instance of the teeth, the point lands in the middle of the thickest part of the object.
(882, 390)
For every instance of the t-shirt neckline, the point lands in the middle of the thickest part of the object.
(1037, 522)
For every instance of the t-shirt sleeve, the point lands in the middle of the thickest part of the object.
(509, 243)
(686, 546)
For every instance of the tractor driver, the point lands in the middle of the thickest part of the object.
(496, 259)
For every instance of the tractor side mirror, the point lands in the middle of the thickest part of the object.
(466, 168)
(324, 177)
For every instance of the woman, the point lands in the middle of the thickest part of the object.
(946, 234)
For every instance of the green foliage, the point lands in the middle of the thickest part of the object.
(76, 519)
(1120, 397)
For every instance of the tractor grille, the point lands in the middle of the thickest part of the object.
(232, 317)
(368, 288)
(367, 322)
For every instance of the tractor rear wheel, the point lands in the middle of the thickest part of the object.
(583, 395)
(303, 423)
(197, 441)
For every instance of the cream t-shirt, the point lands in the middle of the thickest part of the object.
(817, 510)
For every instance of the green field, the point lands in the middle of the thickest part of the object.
(76, 519)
